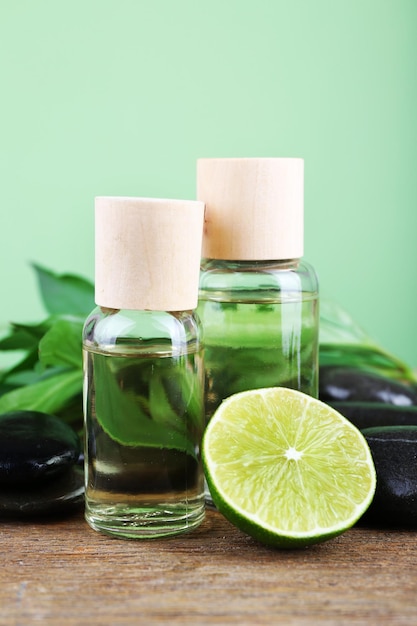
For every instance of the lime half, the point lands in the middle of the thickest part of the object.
(286, 468)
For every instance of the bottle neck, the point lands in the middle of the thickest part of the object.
(249, 265)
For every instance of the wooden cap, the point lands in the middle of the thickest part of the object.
(147, 253)
(254, 208)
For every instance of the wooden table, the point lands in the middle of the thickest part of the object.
(62, 573)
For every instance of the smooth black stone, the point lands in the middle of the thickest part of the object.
(348, 384)
(372, 414)
(394, 452)
(60, 496)
(35, 447)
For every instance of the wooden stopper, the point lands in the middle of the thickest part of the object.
(147, 253)
(254, 208)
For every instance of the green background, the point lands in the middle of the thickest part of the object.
(120, 97)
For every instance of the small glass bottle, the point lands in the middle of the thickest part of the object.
(143, 369)
(258, 300)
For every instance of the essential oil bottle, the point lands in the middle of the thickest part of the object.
(143, 370)
(258, 300)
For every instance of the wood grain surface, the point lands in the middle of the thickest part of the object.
(62, 573)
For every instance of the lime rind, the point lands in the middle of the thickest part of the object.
(286, 468)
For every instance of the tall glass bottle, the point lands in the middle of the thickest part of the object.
(143, 364)
(258, 300)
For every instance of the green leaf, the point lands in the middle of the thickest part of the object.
(22, 378)
(343, 342)
(35, 375)
(365, 358)
(18, 340)
(23, 336)
(49, 395)
(28, 362)
(160, 408)
(66, 293)
(184, 394)
(122, 418)
(62, 344)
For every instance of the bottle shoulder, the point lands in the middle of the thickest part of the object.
(262, 278)
(140, 330)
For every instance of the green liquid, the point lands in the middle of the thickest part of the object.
(144, 423)
(252, 345)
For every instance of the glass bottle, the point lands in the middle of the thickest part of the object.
(258, 300)
(143, 368)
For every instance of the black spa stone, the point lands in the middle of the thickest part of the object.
(394, 451)
(34, 448)
(60, 496)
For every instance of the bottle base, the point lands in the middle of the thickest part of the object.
(142, 522)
